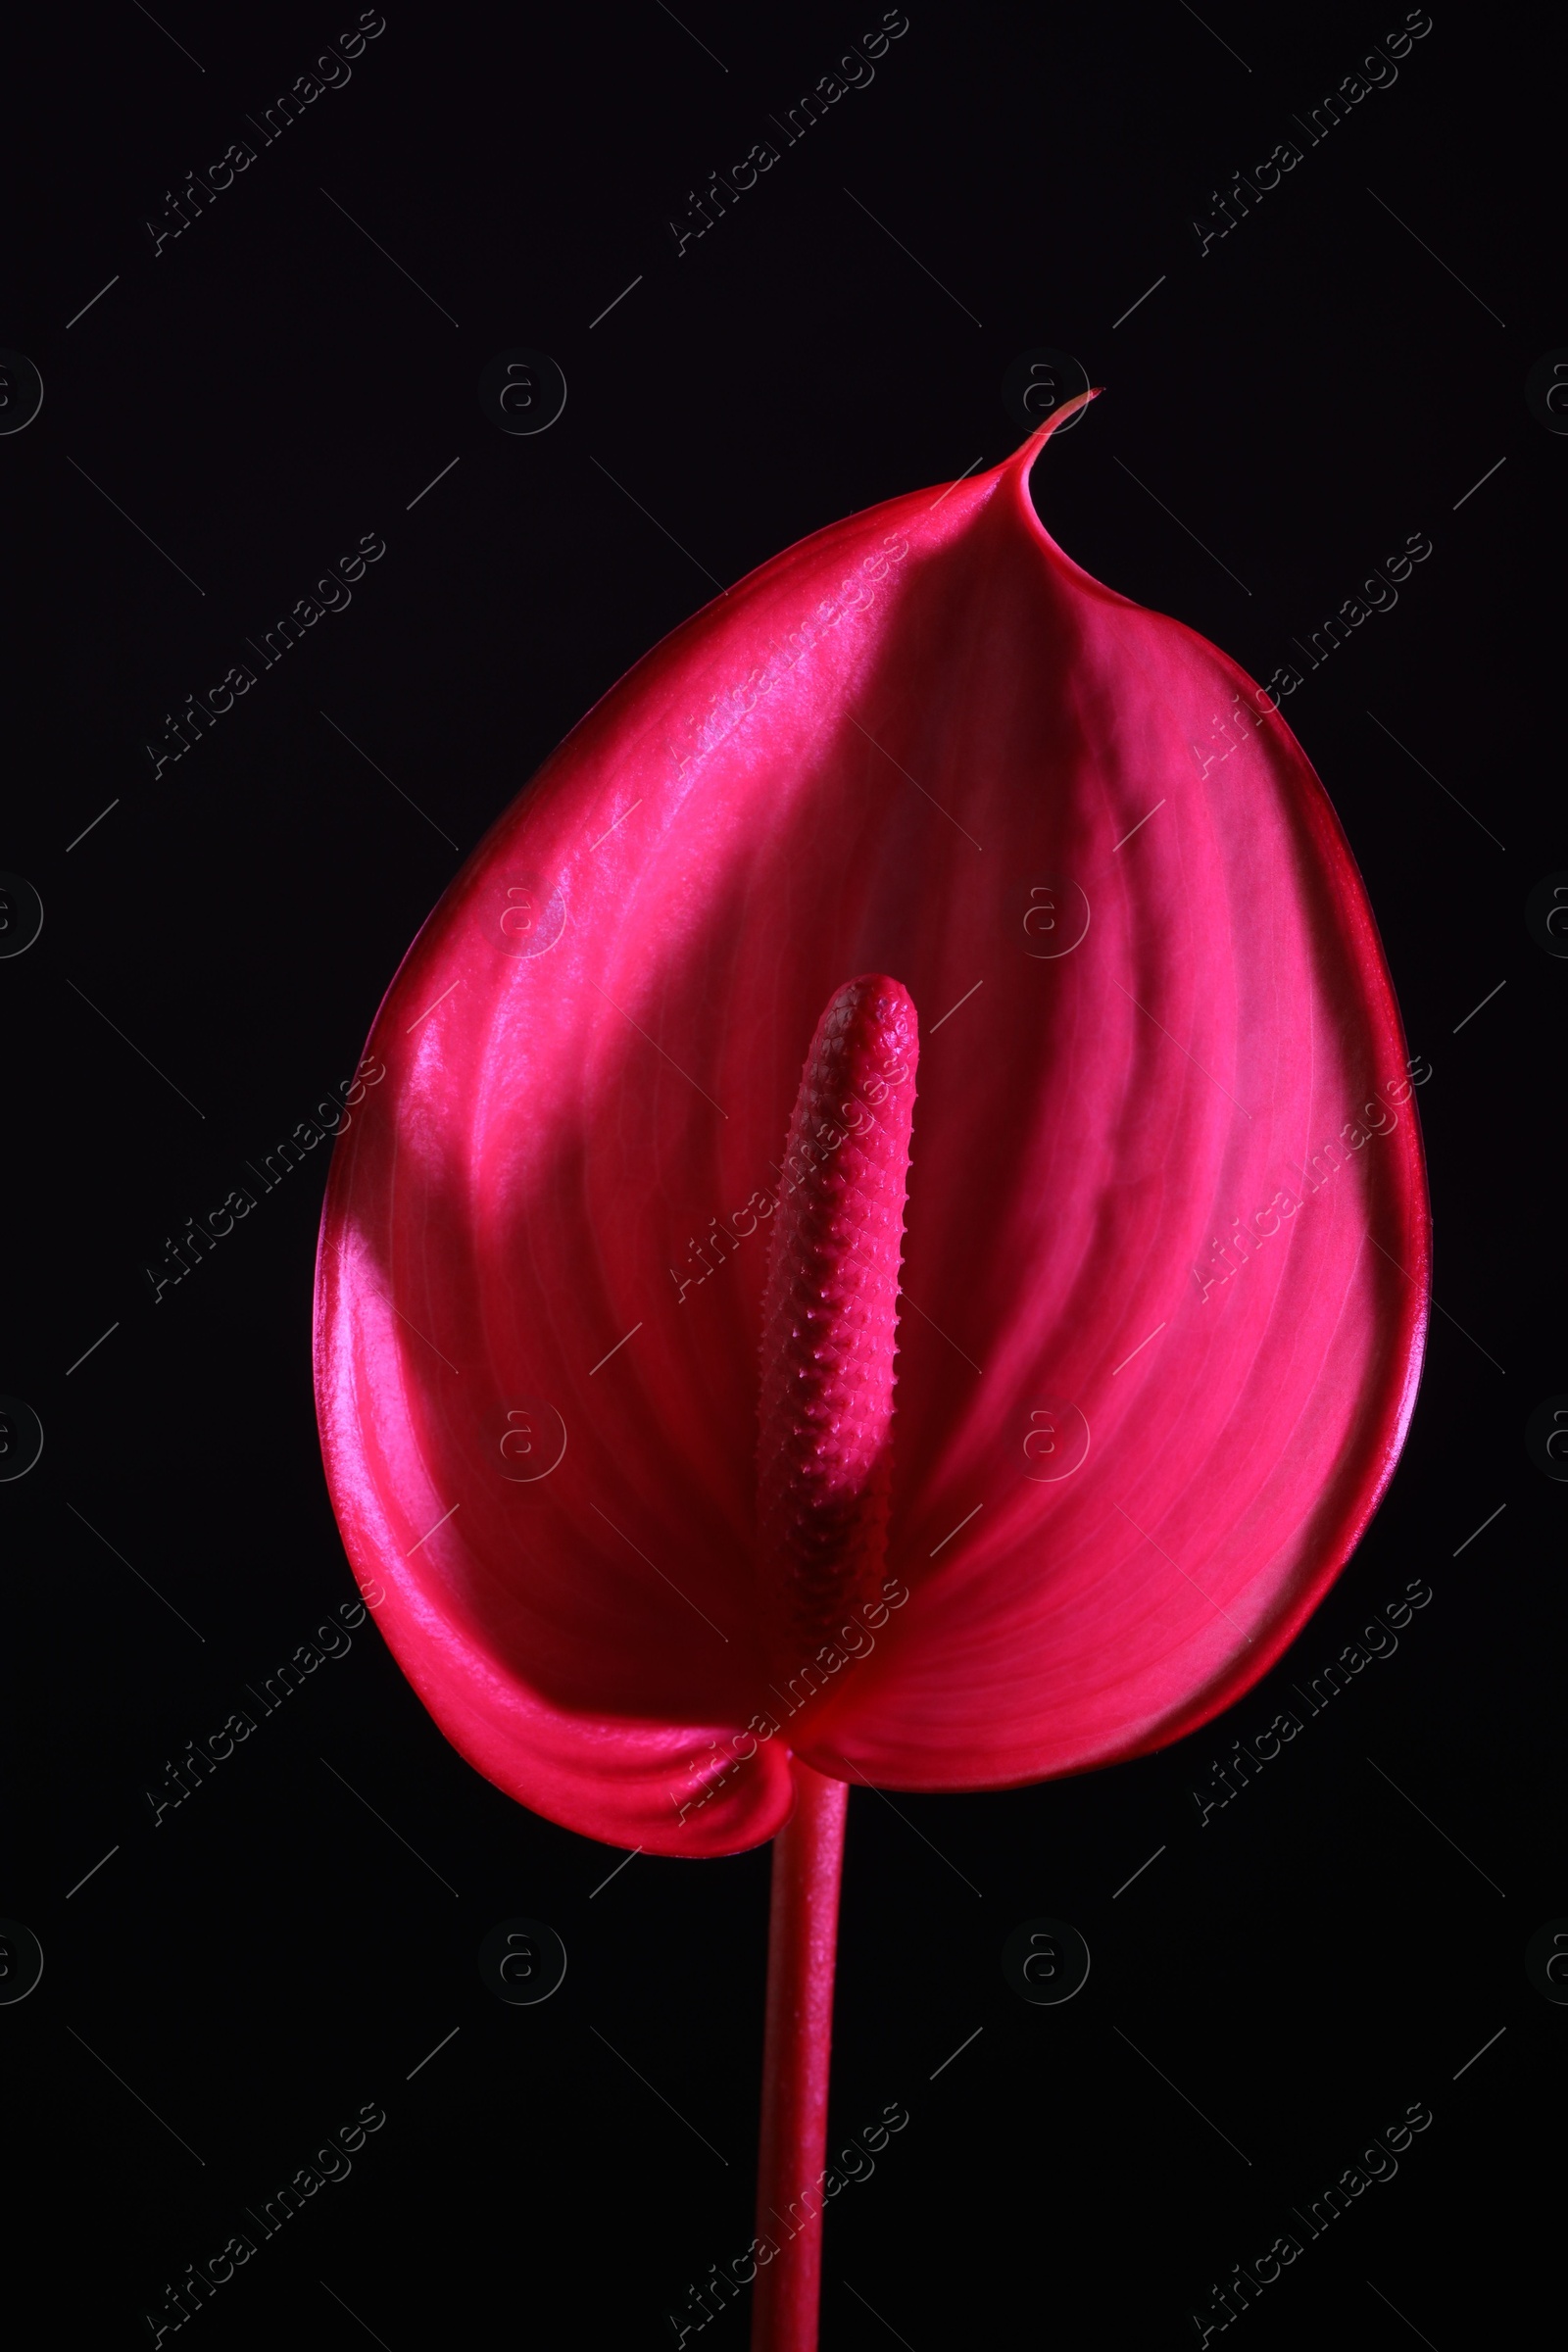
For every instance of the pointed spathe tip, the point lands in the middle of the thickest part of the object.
(1025, 455)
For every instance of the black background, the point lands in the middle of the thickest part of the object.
(230, 1986)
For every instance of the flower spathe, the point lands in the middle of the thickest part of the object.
(1166, 1252)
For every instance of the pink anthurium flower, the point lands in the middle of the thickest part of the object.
(610, 1285)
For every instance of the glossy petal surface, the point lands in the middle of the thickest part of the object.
(1154, 1014)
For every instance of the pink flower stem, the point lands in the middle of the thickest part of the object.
(802, 1940)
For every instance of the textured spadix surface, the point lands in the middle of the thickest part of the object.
(824, 1453)
(1166, 1241)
